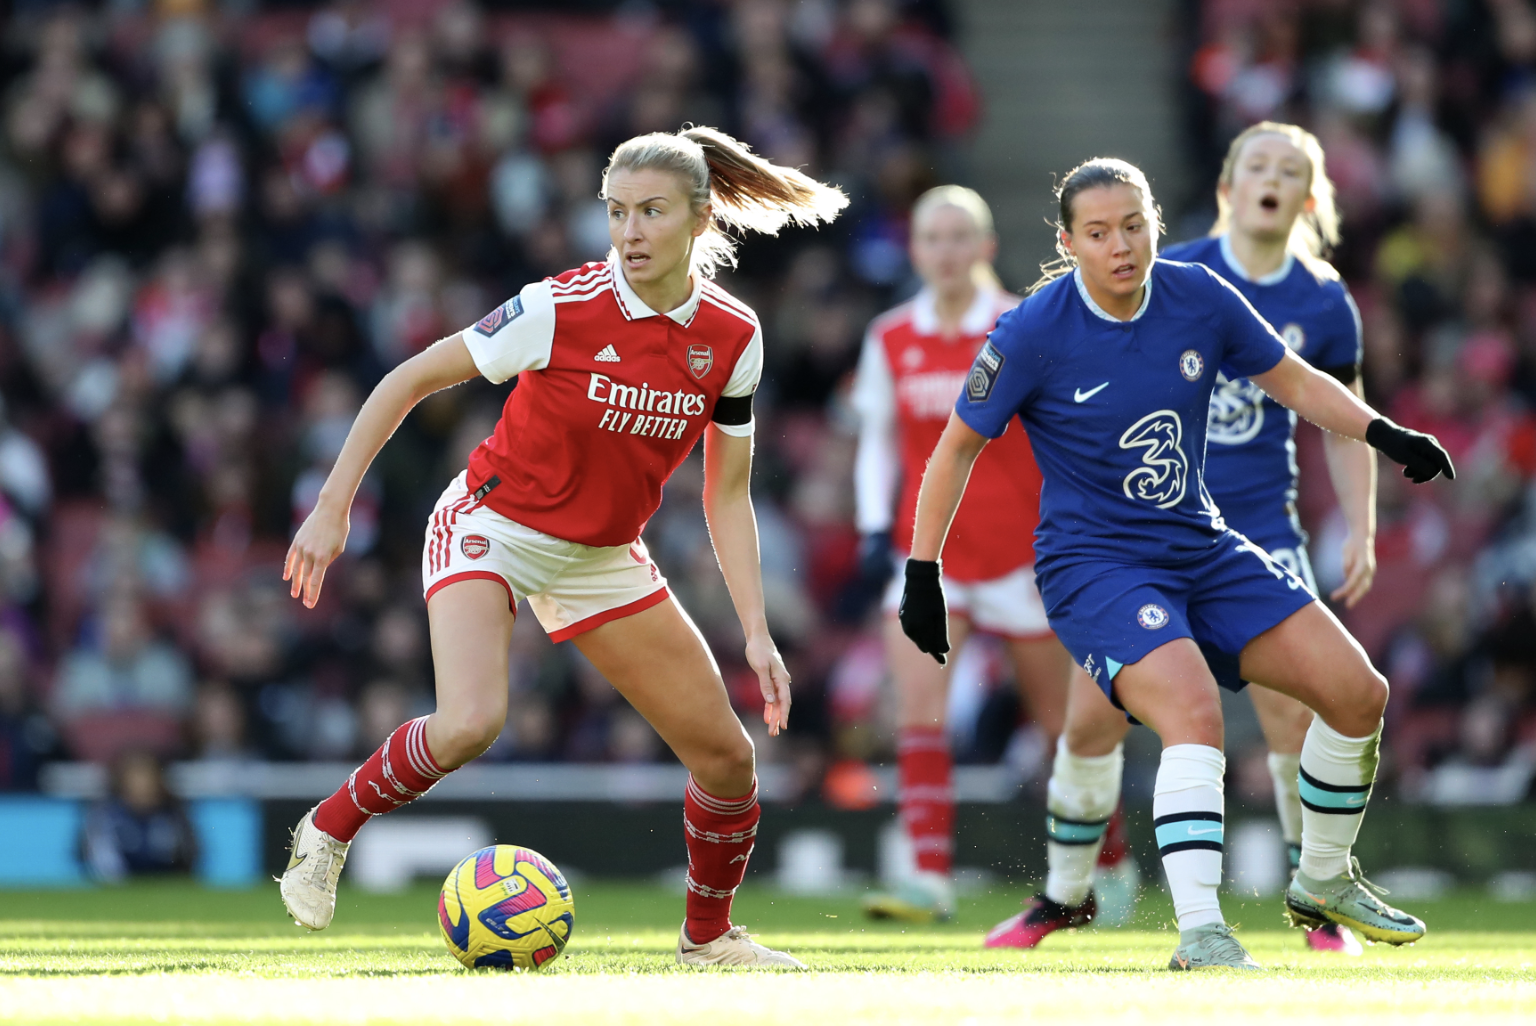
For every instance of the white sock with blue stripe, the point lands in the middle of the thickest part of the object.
(1187, 807)
(1336, 776)
(1082, 795)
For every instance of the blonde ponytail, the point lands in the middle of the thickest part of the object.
(745, 192)
(1316, 231)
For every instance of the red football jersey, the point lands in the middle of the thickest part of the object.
(908, 381)
(610, 397)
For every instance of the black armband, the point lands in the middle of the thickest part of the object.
(733, 410)
(1346, 373)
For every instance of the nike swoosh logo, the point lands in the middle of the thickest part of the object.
(1201, 833)
(1080, 395)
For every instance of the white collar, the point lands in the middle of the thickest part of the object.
(978, 318)
(1082, 290)
(1274, 277)
(634, 308)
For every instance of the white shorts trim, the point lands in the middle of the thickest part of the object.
(570, 587)
(1009, 605)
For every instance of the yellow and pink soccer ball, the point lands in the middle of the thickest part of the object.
(506, 907)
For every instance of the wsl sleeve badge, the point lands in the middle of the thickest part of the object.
(984, 372)
(500, 317)
(506, 907)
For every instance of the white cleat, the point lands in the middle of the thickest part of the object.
(733, 947)
(308, 884)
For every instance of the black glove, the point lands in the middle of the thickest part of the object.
(923, 615)
(875, 558)
(1421, 455)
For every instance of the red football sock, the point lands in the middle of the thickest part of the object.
(1116, 847)
(401, 771)
(926, 796)
(720, 834)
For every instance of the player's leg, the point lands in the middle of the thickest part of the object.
(1081, 775)
(1083, 800)
(1310, 657)
(1284, 722)
(658, 661)
(1172, 691)
(925, 793)
(1011, 606)
(471, 629)
(1082, 795)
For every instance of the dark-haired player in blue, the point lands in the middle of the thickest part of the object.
(1276, 218)
(1111, 369)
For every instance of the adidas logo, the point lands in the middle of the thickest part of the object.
(607, 355)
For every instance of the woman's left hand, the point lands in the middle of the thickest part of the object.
(1359, 570)
(772, 677)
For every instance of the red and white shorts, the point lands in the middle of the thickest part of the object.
(1009, 605)
(570, 587)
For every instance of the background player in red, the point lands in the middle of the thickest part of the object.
(621, 367)
(913, 366)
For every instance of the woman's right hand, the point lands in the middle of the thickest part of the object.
(320, 540)
(923, 614)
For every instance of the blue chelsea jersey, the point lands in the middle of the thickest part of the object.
(1116, 410)
(1250, 464)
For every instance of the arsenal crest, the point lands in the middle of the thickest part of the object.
(700, 360)
(474, 546)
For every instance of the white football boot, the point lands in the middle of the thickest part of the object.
(733, 947)
(308, 884)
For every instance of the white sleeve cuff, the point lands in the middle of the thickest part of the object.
(736, 430)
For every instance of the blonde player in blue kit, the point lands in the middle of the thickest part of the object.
(1111, 368)
(1276, 219)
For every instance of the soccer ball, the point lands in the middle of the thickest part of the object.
(506, 907)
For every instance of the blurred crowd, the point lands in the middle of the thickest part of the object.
(221, 223)
(1427, 112)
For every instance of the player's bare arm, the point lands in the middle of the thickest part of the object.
(1352, 469)
(922, 605)
(323, 535)
(944, 485)
(733, 529)
(1325, 402)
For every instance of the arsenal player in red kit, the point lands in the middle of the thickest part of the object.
(913, 367)
(622, 366)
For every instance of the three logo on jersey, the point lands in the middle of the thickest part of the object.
(1164, 472)
(1237, 411)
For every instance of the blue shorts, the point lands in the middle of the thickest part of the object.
(1112, 614)
(1286, 544)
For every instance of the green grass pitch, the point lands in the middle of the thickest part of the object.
(173, 953)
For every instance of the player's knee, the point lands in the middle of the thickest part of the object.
(726, 768)
(1094, 734)
(1370, 699)
(1199, 723)
(465, 734)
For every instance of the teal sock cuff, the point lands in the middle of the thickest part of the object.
(1335, 799)
(1074, 831)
